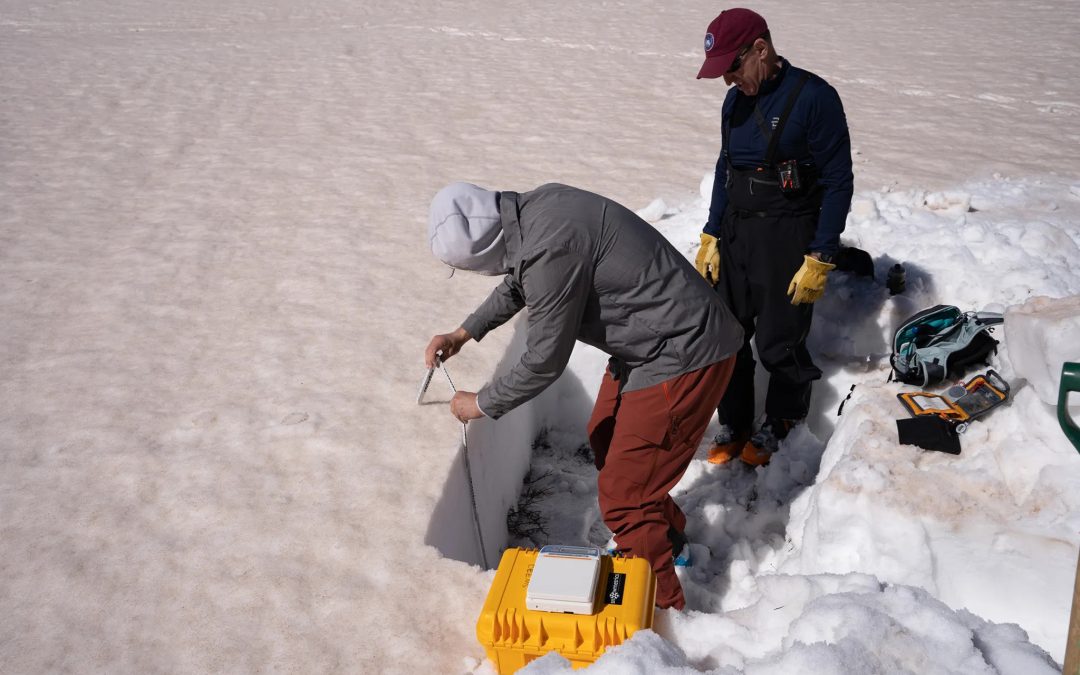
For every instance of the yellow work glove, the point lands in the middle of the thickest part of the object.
(808, 284)
(708, 259)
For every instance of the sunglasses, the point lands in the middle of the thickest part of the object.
(737, 63)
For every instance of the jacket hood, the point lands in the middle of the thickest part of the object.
(465, 229)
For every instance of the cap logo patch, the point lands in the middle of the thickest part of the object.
(709, 41)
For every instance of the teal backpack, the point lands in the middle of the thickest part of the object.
(942, 342)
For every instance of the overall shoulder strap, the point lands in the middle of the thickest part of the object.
(774, 138)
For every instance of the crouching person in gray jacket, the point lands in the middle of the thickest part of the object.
(589, 269)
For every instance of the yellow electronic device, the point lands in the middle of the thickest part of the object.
(624, 595)
(961, 403)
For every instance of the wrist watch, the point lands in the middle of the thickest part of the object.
(824, 257)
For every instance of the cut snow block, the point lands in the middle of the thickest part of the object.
(1041, 335)
(513, 635)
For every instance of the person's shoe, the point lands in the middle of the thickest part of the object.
(766, 441)
(727, 444)
(680, 549)
(611, 548)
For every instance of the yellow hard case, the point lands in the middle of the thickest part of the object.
(513, 636)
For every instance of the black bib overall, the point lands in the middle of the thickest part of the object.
(764, 234)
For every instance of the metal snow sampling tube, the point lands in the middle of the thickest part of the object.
(464, 450)
(1070, 382)
(468, 472)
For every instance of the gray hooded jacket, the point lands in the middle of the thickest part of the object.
(587, 269)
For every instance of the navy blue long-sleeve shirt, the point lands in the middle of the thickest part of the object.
(816, 134)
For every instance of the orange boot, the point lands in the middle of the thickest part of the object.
(727, 445)
(766, 441)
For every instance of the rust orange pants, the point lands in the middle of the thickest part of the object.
(643, 441)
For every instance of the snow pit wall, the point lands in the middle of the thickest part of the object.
(500, 451)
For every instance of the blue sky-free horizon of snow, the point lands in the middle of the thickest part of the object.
(216, 293)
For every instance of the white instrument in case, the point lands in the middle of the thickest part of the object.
(564, 580)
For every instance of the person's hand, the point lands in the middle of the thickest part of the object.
(463, 406)
(708, 259)
(448, 343)
(808, 284)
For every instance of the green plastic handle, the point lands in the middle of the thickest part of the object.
(1070, 381)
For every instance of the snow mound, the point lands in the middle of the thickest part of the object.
(822, 624)
(1044, 333)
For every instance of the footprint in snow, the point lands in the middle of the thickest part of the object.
(295, 418)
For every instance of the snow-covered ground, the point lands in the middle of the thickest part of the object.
(216, 294)
(851, 552)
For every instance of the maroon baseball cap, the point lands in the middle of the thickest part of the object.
(727, 35)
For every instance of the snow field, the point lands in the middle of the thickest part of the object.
(215, 296)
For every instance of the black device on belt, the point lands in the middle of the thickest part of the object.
(788, 173)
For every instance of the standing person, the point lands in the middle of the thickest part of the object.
(589, 269)
(781, 195)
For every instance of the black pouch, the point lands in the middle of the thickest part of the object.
(929, 432)
(854, 260)
(788, 174)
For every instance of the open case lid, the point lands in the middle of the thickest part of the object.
(961, 403)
